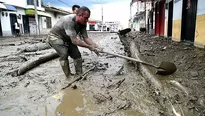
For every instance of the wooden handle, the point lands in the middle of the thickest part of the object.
(129, 58)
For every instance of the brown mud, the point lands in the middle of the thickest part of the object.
(114, 88)
(185, 88)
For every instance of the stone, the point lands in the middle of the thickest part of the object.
(194, 73)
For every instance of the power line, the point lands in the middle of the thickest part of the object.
(64, 3)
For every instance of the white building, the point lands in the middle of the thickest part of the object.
(94, 25)
(23, 12)
(112, 26)
(139, 15)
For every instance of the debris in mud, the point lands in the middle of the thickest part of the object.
(13, 84)
(74, 87)
(119, 72)
(31, 64)
(80, 77)
(188, 59)
(7, 45)
(99, 98)
(121, 106)
(194, 73)
(116, 84)
(26, 85)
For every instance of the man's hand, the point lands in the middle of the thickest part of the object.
(95, 49)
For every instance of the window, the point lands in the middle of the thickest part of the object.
(48, 22)
(31, 2)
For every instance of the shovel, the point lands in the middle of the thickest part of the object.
(165, 68)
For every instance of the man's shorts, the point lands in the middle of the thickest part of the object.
(64, 49)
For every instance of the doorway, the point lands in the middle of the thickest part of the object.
(26, 24)
(0, 28)
(170, 19)
(189, 21)
(13, 19)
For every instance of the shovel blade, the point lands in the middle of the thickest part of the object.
(166, 68)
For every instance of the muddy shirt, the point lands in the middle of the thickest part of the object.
(66, 27)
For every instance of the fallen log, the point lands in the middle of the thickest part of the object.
(36, 47)
(30, 65)
(7, 45)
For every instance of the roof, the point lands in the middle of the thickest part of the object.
(10, 7)
(91, 19)
(54, 9)
(133, 1)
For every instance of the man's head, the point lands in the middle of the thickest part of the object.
(82, 15)
(75, 8)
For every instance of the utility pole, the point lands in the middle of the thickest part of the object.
(36, 18)
(102, 16)
(145, 16)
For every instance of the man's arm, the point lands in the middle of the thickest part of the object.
(86, 38)
(70, 31)
(89, 41)
(78, 42)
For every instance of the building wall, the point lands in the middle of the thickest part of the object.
(20, 12)
(200, 24)
(5, 24)
(54, 19)
(166, 22)
(177, 20)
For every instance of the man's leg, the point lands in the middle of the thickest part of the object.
(62, 50)
(75, 54)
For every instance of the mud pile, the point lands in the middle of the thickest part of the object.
(185, 89)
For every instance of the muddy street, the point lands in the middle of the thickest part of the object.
(111, 86)
(114, 87)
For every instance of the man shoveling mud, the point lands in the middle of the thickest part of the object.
(63, 38)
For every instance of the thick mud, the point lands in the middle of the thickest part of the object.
(114, 88)
(185, 88)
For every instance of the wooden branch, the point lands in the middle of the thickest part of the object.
(79, 78)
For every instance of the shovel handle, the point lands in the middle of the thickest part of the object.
(129, 58)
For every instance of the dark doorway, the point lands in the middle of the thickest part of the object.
(26, 24)
(170, 19)
(188, 21)
(13, 19)
(0, 29)
(92, 27)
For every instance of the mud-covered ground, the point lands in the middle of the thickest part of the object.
(185, 89)
(113, 88)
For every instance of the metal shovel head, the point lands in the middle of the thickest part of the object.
(124, 31)
(166, 68)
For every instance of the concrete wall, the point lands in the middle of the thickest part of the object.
(177, 20)
(42, 23)
(200, 24)
(5, 24)
(20, 12)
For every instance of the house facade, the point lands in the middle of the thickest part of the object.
(181, 20)
(23, 12)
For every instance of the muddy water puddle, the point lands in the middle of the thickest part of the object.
(72, 103)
